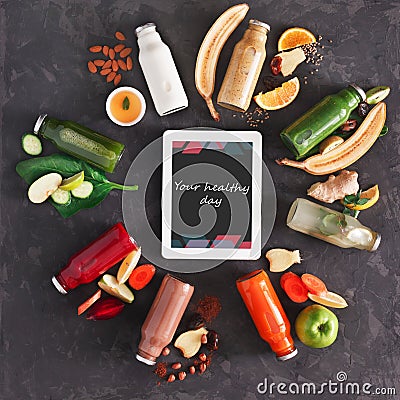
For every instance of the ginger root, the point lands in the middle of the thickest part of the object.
(336, 187)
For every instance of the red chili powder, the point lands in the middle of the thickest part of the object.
(209, 307)
(161, 369)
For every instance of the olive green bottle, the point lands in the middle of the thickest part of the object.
(321, 120)
(80, 142)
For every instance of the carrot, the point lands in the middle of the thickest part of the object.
(294, 287)
(89, 302)
(141, 276)
(314, 284)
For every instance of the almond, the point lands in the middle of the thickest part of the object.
(122, 64)
(105, 71)
(114, 65)
(111, 54)
(105, 50)
(120, 36)
(202, 357)
(91, 67)
(111, 76)
(192, 369)
(119, 47)
(117, 79)
(171, 378)
(166, 350)
(182, 375)
(125, 52)
(107, 64)
(95, 49)
(176, 365)
(99, 63)
(129, 63)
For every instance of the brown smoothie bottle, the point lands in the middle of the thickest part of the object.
(163, 318)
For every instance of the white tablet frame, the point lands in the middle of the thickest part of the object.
(204, 135)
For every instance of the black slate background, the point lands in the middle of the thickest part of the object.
(47, 352)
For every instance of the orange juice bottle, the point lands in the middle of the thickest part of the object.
(267, 313)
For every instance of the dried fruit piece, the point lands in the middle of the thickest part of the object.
(120, 35)
(196, 322)
(129, 63)
(111, 76)
(105, 71)
(125, 52)
(117, 79)
(282, 259)
(99, 62)
(276, 65)
(91, 67)
(122, 64)
(107, 64)
(95, 49)
(111, 54)
(119, 47)
(105, 50)
(114, 65)
(362, 109)
(349, 125)
(212, 340)
(190, 342)
(104, 309)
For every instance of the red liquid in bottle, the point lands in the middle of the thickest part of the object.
(95, 259)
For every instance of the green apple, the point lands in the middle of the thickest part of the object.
(316, 326)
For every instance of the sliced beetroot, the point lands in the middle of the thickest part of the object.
(104, 309)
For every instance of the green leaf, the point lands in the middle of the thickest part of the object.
(384, 131)
(350, 199)
(126, 103)
(32, 169)
(362, 201)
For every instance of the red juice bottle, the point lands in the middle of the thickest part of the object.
(95, 259)
(267, 313)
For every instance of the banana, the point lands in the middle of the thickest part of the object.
(349, 151)
(210, 49)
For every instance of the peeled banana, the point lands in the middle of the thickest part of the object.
(349, 151)
(210, 49)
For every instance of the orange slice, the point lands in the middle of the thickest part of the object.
(329, 299)
(372, 194)
(280, 97)
(295, 37)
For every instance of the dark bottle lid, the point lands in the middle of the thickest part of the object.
(39, 123)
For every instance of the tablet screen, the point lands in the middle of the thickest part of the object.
(211, 194)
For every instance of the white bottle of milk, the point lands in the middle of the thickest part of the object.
(160, 71)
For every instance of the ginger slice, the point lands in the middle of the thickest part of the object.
(190, 342)
(281, 259)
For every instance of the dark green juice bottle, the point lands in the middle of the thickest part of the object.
(321, 120)
(80, 142)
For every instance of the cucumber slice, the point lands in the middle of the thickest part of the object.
(62, 197)
(31, 144)
(83, 191)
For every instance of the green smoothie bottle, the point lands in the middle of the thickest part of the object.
(321, 120)
(80, 142)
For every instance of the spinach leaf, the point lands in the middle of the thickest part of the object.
(66, 166)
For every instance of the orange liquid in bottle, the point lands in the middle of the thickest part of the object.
(117, 109)
(267, 313)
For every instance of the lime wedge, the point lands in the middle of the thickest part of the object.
(73, 182)
(110, 285)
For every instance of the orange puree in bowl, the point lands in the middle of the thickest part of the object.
(131, 113)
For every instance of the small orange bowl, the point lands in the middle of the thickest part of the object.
(115, 106)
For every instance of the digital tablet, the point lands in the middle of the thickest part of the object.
(211, 194)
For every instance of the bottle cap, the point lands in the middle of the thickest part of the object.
(288, 356)
(377, 242)
(58, 285)
(259, 23)
(143, 27)
(359, 91)
(144, 360)
(39, 123)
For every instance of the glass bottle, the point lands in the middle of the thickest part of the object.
(80, 142)
(331, 226)
(321, 120)
(160, 71)
(163, 318)
(244, 68)
(95, 259)
(267, 313)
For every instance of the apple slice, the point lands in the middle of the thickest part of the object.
(329, 299)
(44, 187)
(110, 285)
(189, 342)
(128, 265)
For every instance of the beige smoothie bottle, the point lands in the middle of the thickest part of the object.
(244, 68)
(163, 318)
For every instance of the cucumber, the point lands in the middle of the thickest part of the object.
(83, 191)
(62, 197)
(31, 144)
